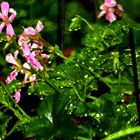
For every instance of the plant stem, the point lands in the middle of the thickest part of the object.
(93, 98)
(11, 108)
(48, 82)
(82, 138)
(135, 73)
(85, 22)
(12, 130)
(61, 23)
(123, 133)
(77, 94)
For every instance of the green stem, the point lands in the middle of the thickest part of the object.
(77, 94)
(48, 82)
(92, 97)
(82, 138)
(123, 133)
(11, 108)
(12, 130)
(95, 75)
(85, 22)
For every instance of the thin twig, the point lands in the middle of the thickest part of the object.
(135, 73)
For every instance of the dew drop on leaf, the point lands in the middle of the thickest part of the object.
(58, 78)
(86, 76)
(85, 114)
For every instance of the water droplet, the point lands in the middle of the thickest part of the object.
(97, 115)
(86, 76)
(49, 116)
(49, 62)
(86, 115)
(105, 133)
(58, 78)
(58, 72)
(52, 69)
(90, 68)
(69, 84)
(70, 97)
(118, 109)
(83, 63)
(70, 30)
(41, 98)
(77, 81)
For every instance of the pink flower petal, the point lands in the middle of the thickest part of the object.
(2, 26)
(23, 39)
(13, 15)
(34, 62)
(25, 49)
(30, 31)
(32, 78)
(35, 46)
(10, 30)
(102, 13)
(5, 9)
(11, 77)
(17, 96)
(110, 16)
(45, 56)
(103, 7)
(110, 3)
(16, 54)
(39, 26)
(26, 66)
(26, 77)
(1, 16)
(10, 59)
(119, 7)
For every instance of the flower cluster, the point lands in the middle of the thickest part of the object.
(110, 9)
(30, 52)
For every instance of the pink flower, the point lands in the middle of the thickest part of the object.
(37, 49)
(110, 9)
(30, 57)
(6, 21)
(31, 51)
(34, 62)
(11, 77)
(110, 16)
(23, 39)
(11, 59)
(26, 50)
(32, 31)
(17, 95)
